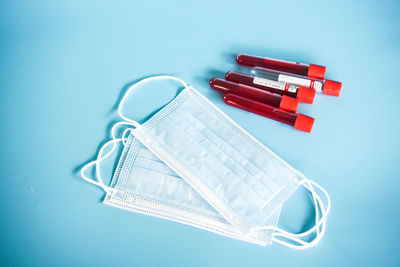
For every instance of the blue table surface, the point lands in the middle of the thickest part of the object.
(65, 64)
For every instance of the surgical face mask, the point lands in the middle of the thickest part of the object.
(237, 175)
(144, 184)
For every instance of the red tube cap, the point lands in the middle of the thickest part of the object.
(316, 71)
(289, 103)
(332, 88)
(305, 95)
(304, 123)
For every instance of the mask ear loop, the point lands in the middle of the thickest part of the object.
(115, 140)
(145, 80)
(319, 226)
(100, 157)
(125, 135)
(96, 162)
(321, 223)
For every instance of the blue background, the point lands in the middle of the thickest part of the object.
(64, 66)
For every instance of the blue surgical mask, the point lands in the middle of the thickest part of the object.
(144, 184)
(237, 175)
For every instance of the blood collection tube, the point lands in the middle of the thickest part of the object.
(283, 102)
(309, 70)
(327, 87)
(303, 94)
(298, 121)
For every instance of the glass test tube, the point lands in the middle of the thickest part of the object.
(309, 70)
(298, 121)
(283, 102)
(303, 94)
(327, 87)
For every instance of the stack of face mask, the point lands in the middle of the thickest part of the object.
(190, 163)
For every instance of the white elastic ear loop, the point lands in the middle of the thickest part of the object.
(113, 129)
(309, 187)
(100, 157)
(145, 80)
(116, 125)
(124, 135)
(317, 202)
(320, 222)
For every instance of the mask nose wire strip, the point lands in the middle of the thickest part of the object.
(100, 156)
(320, 222)
(145, 80)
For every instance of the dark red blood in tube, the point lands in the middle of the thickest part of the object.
(309, 70)
(303, 94)
(298, 121)
(282, 102)
(230, 87)
(247, 79)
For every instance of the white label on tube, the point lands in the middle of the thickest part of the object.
(316, 85)
(294, 80)
(276, 85)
